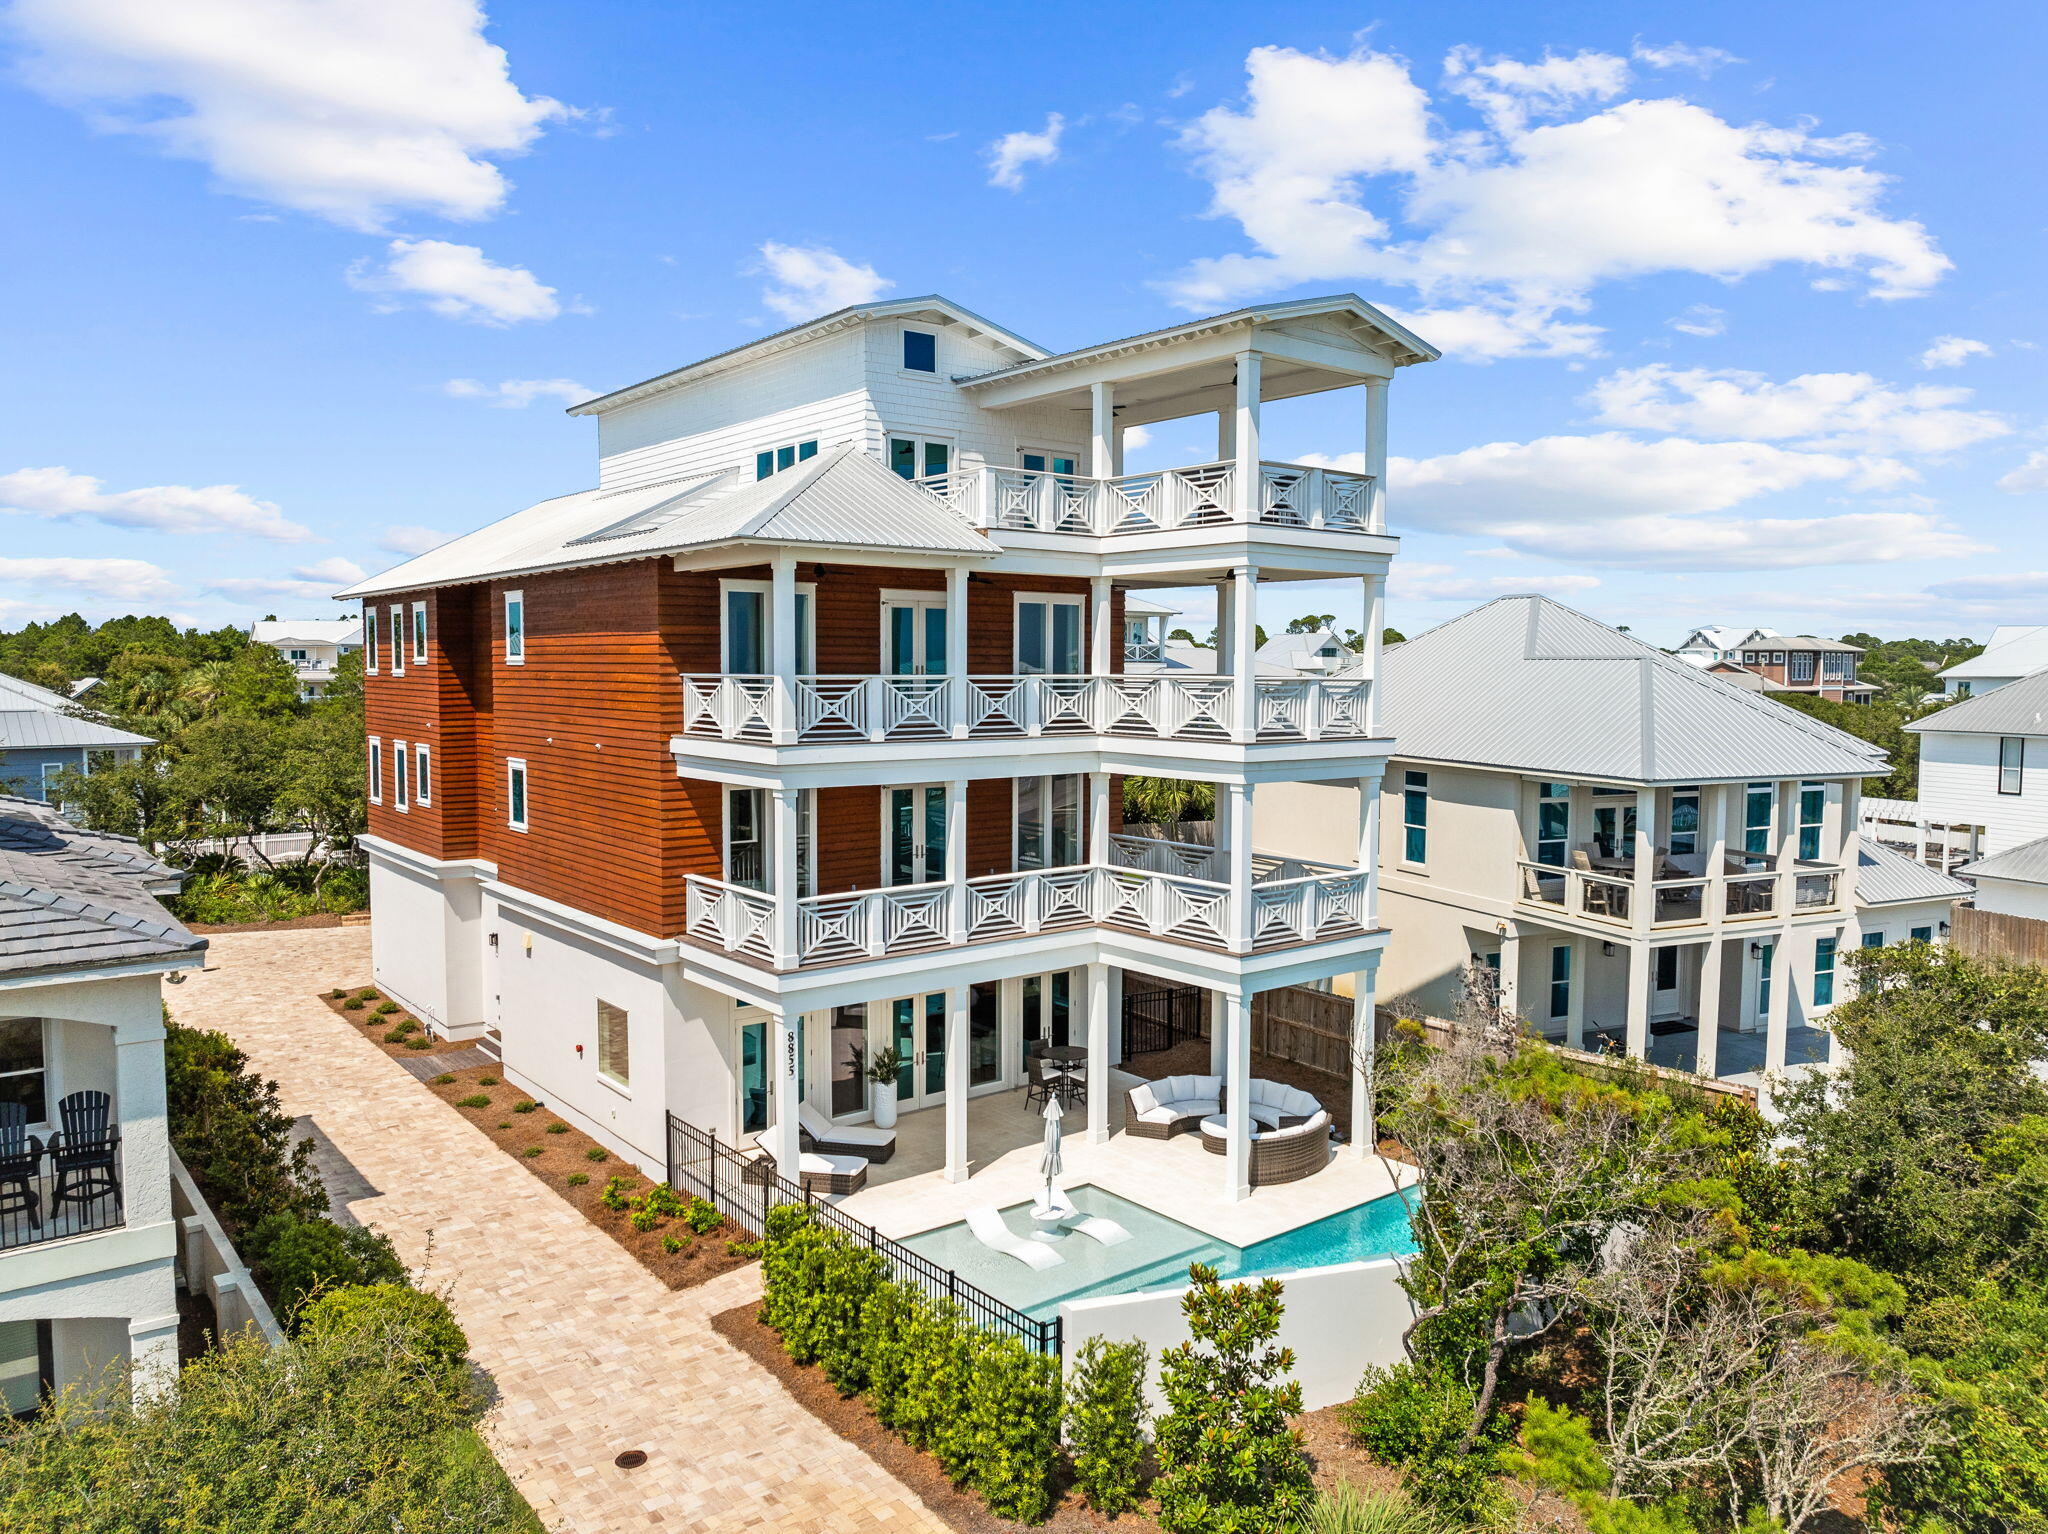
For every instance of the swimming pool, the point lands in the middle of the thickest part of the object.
(1159, 1251)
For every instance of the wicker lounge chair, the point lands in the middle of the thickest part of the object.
(818, 1133)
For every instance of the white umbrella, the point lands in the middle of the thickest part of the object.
(1049, 1162)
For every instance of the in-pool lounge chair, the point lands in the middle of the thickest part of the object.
(820, 1134)
(989, 1229)
(1097, 1228)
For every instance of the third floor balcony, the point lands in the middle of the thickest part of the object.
(1205, 496)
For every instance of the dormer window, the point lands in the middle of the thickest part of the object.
(776, 459)
(920, 352)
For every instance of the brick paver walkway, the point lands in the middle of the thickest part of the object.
(589, 1353)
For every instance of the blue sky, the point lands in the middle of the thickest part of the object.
(1741, 304)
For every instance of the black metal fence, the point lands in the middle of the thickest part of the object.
(745, 1188)
(49, 1194)
(1156, 1020)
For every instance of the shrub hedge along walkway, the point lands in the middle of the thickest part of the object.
(589, 1352)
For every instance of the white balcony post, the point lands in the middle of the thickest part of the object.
(782, 646)
(1101, 657)
(1219, 1032)
(1226, 658)
(956, 1084)
(1511, 971)
(153, 1354)
(956, 860)
(139, 1104)
(1714, 907)
(783, 847)
(1098, 818)
(1102, 431)
(1101, 979)
(1244, 652)
(785, 1044)
(1369, 848)
(1369, 655)
(1237, 1074)
(1376, 454)
(1643, 898)
(1226, 434)
(1364, 1056)
(1245, 448)
(1786, 952)
(1575, 994)
(956, 648)
(1237, 831)
(1707, 1051)
(1637, 1039)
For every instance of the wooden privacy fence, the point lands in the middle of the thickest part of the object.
(1311, 1029)
(1994, 935)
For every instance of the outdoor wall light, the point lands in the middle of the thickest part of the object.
(1607, 950)
(1756, 950)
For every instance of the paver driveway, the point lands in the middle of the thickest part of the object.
(589, 1353)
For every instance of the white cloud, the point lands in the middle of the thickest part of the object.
(1441, 583)
(2029, 477)
(1702, 61)
(518, 393)
(1009, 155)
(1522, 219)
(1837, 412)
(1136, 437)
(1699, 320)
(456, 281)
(62, 496)
(1952, 352)
(810, 280)
(409, 538)
(133, 580)
(315, 581)
(351, 110)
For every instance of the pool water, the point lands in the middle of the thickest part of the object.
(1159, 1251)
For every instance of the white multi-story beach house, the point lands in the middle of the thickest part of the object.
(797, 738)
(1984, 763)
(2014, 650)
(88, 1243)
(313, 646)
(1650, 859)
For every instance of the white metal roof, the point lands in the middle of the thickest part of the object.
(15, 693)
(2017, 708)
(277, 631)
(1527, 684)
(1886, 876)
(2015, 650)
(34, 728)
(2025, 864)
(841, 499)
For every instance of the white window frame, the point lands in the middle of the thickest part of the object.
(46, 1068)
(893, 597)
(2016, 774)
(515, 601)
(807, 628)
(376, 770)
(1045, 780)
(924, 441)
(417, 634)
(401, 777)
(398, 642)
(1049, 454)
(371, 648)
(621, 1079)
(1070, 599)
(903, 354)
(422, 775)
(764, 818)
(515, 769)
(796, 452)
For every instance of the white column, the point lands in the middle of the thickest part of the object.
(956, 1084)
(1104, 980)
(1364, 1055)
(1707, 1060)
(1245, 446)
(782, 847)
(1575, 997)
(153, 1355)
(784, 1043)
(782, 644)
(145, 1135)
(1101, 632)
(1098, 817)
(1511, 971)
(1786, 954)
(1376, 451)
(1375, 624)
(1369, 845)
(1219, 1032)
(1244, 652)
(1102, 430)
(956, 647)
(1643, 900)
(1638, 1035)
(1715, 905)
(1226, 434)
(1237, 1080)
(956, 858)
(1116, 453)
(1237, 831)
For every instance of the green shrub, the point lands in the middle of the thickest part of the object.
(614, 1195)
(665, 1201)
(1106, 1423)
(577, 1179)
(674, 1244)
(558, 1129)
(1012, 1427)
(397, 1035)
(524, 1105)
(445, 1079)
(595, 1153)
(487, 1081)
(702, 1216)
(395, 1315)
(848, 1275)
(884, 1330)
(386, 1008)
(1415, 1420)
(938, 1358)
(1344, 1509)
(422, 1042)
(354, 1004)
(1229, 1463)
(227, 1126)
(743, 1248)
(504, 1123)
(336, 994)
(295, 1259)
(367, 993)
(643, 1220)
(531, 1151)
(474, 1100)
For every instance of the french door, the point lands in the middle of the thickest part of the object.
(914, 834)
(1048, 636)
(917, 1027)
(914, 635)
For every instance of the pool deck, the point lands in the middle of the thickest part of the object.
(1176, 1177)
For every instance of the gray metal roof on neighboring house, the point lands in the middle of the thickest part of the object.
(840, 499)
(1886, 876)
(28, 729)
(1527, 684)
(72, 899)
(2025, 864)
(2014, 649)
(15, 693)
(2017, 708)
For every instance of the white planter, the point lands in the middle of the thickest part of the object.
(883, 1098)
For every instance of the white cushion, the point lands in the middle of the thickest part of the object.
(1145, 1102)
(1197, 1107)
(1179, 1087)
(1157, 1115)
(838, 1166)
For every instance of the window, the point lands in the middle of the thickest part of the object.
(775, 459)
(51, 772)
(1813, 806)
(398, 775)
(376, 770)
(1923, 934)
(1873, 940)
(419, 632)
(398, 641)
(1059, 463)
(515, 628)
(1553, 822)
(746, 838)
(1561, 980)
(1415, 817)
(1777, 657)
(1764, 966)
(298, 657)
(423, 776)
(745, 630)
(1749, 658)
(24, 1366)
(1824, 972)
(369, 639)
(1683, 834)
(1962, 689)
(1048, 821)
(1049, 635)
(2012, 762)
(515, 795)
(1757, 802)
(22, 1066)
(917, 458)
(614, 1050)
(920, 352)
(1837, 666)
(1802, 666)
(1667, 968)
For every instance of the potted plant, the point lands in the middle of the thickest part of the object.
(881, 1072)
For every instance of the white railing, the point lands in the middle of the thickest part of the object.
(1204, 495)
(1156, 854)
(1738, 894)
(1144, 650)
(1288, 906)
(824, 709)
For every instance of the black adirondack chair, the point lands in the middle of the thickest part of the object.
(86, 1151)
(21, 1153)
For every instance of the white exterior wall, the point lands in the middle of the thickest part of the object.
(1896, 922)
(426, 944)
(903, 403)
(1959, 784)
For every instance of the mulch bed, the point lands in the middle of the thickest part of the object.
(296, 924)
(564, 1152)
(373, 1025)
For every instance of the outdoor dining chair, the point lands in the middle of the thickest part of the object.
(20, 1155)
(84, 1150)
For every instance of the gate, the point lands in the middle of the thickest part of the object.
(1156, 1020)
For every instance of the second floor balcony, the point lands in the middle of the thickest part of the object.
(1745, 888)
(1209, 495)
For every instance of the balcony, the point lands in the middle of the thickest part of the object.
(824, 710)
(1172, 890)
(56, 1192)
(1287, 495)
(1748, 888)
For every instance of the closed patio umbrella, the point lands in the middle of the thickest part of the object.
(1049, 1161)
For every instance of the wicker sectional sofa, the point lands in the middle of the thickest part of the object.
(1290, 1134)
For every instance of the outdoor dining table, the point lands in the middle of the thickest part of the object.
(1067, 1054)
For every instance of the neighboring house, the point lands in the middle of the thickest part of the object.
(313, 646)
(1706, 645)
(1145, 630)
(87, 1239)
(2014, 651)
(1318, 652)
(798, 737)
(1984, 762)
(1651, 860)
(41, 737)
(1825, 668)
(2013, 882)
